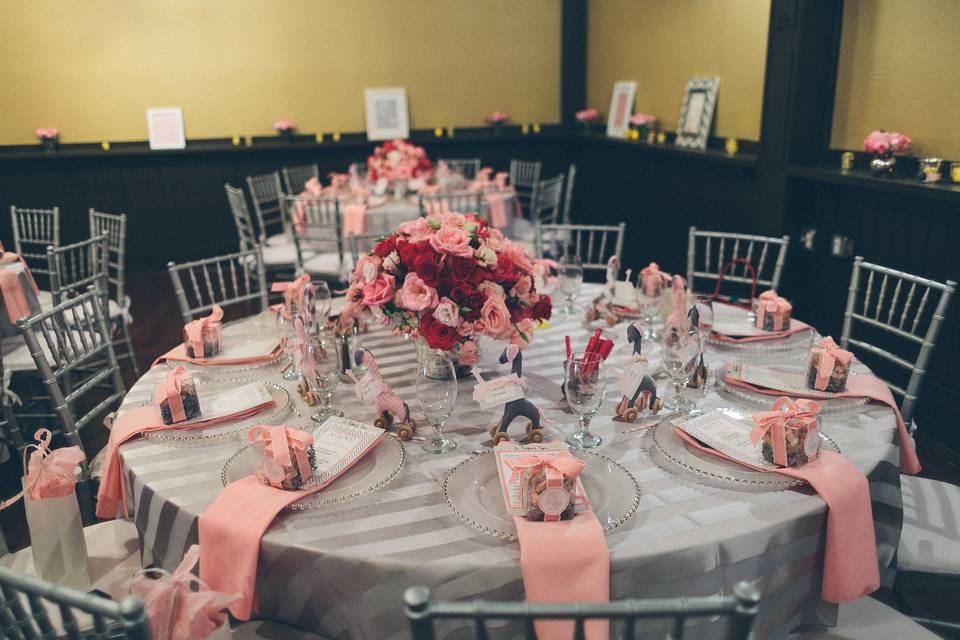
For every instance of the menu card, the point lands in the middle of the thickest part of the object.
(338, 444)
(225, 403)
(728, 436)
(791, 382)
(734, 321)
(514, 489)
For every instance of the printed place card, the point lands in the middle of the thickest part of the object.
(728, 436)
(515, 497)
(233, 401)
(498, 392)
(338, 443)
(791, 382)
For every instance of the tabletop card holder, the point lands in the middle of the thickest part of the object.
(518, 407)
(638, 389)
(540, 482)
(176, 397)
(371, 388)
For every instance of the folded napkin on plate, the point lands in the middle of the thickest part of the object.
(179, 354)
(850, 566)
(354, 219)
(795, 327)
(12, 289)
(132, 423)
(861, 386)
(231, 529)
(565, 561)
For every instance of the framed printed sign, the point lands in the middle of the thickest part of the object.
(621, 108)
(386, 112)
(165, 126)
(696, 112)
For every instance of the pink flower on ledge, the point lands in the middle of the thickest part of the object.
(587, 115)
(285, 126)
(497, 117)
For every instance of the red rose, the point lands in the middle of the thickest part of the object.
(385, 247)
(428, 268)
(410, 251)
(459, 269)
(543, 309)
(468, 299)
(437, 334)
(519, 312)
(387, 147)
(506, 270)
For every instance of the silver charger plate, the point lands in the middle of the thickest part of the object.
(715, 470)
(371, 472)
(217, 434)
(827, 405)
(245, 338)
(472, 491)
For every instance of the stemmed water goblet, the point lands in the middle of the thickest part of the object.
(437, 395)
(571, 281)
(585, 385)
(287, 333)
(648, 303)
(681, 356)
(320, 368)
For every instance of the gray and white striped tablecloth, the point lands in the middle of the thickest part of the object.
(341, 570)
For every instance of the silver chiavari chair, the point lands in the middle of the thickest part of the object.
(278, 257)
(593, 244)
(457, 201)
(525, 178)
(738, 609)
(115, 226)
(33, 231)
(362, 243)
(546, 207)
(9, 427)
(765, 254)
(318, 236)
(362, 170)
(568, 194)
(466, 167)
(267, 197)
(72, 349)
(33, 608)
(229, 280)
(294, 178)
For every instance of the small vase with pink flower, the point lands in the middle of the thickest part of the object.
(884, 145)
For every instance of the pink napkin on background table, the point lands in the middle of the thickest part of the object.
(565, 561)
(851, 569)
(13, 296)
(354, 219)
(862, 386)
(796, 326)
(179, 354)
(497, 204)
(132, 423)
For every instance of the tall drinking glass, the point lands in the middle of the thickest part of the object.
(648, 303)
(437, 395)
(287, 334)
(321, 370)
(322, 301)
(571, 281)
(681, 355)
(585, 383)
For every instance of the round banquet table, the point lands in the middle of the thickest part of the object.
(341, 570)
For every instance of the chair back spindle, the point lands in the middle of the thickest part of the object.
(593, 244)
(466, 167)
(241, 217)
(229, 280)
(266, 195)
(708, 252)
(568, 194)
(115, 226)
(33, 231)
(525, 179)
(318, 235)
(457, 201)
(294, 178)
(546, 207)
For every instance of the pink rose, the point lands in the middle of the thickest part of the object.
(368, 268)
(447, 312)
(418, 230)
(469, 353)
(417, 295)
(491, 289)
(495, 240)
(380, 290)
(520, 258)
(523, 288)
(453, 241)
(450, 219)
(466, 328)
(495, 317)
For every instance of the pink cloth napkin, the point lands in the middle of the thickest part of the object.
(354, 219)
(179, 354)
(566, 561)
(230, 533)
(13, 296)
(132, 423)
(850, 566)
(498, 208)
(864, 386)
(795, 327)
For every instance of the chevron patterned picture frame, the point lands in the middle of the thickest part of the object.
(696, 112)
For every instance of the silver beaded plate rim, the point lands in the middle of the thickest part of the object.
(792, 341)
(186, 438)
(827, 405)
(658, 433)
(321, 498)
(505, 535)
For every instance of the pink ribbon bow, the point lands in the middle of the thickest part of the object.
(292, 291)
(678, 317)
(195, 329)
(174, 608)
(784, 410)
(768, 295)
(830, 354)
(652, 277)
(169, 390)
(280, 441)
(776, 305)
(50, 474)
(555, 466)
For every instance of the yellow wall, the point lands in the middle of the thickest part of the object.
(92, 67)
(661, 44)
(898, 71)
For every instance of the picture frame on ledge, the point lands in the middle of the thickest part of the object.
(696, 112)
(621, 107)
(165, 128)
(386, 113)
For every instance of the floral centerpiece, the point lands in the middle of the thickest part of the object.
(286, 129)
(48, 137)
(883, 145)
(496, 120)
(398, 163)
(642, 123)
(449, 279)
(586, 118)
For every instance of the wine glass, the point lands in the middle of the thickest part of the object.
(571, 281)
(437, 394)
(585, 383)
(681, 356)
(287, 334)
(648, 303)
(323, 299)
(321, 371)
(704, 307)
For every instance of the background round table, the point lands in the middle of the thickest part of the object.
(341, 570)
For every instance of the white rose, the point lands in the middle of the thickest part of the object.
(487, 256)
(447, 312)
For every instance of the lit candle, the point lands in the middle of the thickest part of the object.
(319, 138)
(536, 127)
(732, 146)
(449, 132)
(524, 128)
(438, 132)
(846, 161)
(105, 145)
(336, 136)
(236, 141)
(955, 171)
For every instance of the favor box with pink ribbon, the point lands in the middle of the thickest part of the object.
(828, 366)
(788, 432)
(176, 397)
(773, 312)
(288, 456)
(540, 482)
(203, 337)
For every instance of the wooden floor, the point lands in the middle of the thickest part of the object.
(157, 327)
